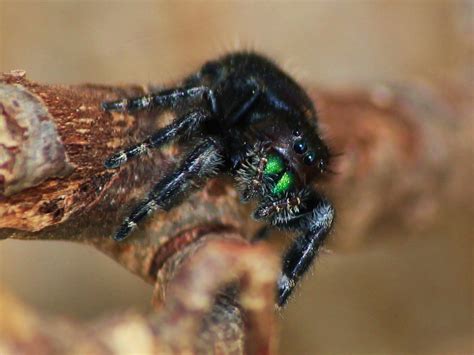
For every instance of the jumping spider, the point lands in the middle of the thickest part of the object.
(249, 119)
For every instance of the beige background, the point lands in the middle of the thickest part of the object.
(407, 293)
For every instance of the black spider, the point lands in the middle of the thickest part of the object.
(247, 118)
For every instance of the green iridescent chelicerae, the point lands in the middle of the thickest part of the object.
(275, 165)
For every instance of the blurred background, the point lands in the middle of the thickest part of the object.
(408, 292)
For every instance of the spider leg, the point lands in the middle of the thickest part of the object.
(304, 211)
(315, 226)
(187, 123)
(204, 161)
(165, 99)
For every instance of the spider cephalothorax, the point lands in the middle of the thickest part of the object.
(250, 120)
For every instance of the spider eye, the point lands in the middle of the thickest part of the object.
(309, 158)
(300, 146)
(297, 133)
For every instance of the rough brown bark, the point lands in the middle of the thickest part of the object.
(406, 159)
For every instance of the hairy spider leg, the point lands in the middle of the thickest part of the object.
(285, 212)
(188, 123)
(164, 99)
(303, 251)
(293, 212)
(203, 162)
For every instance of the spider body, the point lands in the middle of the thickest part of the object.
(249, 119)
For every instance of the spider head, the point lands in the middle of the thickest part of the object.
(303, 151)
(282, 160)
(297, 142)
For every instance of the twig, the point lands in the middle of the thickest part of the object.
(194, 320)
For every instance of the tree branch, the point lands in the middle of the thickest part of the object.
(194, 320)
(406, 159)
